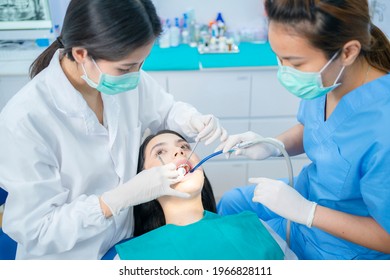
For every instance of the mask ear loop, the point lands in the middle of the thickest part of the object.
(98, 68)
(339, 75)
(86, 75)
(329, 62)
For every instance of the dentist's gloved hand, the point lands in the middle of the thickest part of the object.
(284, 200)
(259, 151)
(145, 186)
(208, 127)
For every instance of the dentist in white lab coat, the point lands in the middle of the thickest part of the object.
(69, 139)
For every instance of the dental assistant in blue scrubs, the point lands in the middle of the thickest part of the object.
(337, 61)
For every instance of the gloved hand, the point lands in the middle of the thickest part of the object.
(259, 151)
(283, 200)
(145, 186)
(208, 127)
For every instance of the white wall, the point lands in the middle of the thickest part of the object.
(237, 13)
(380, 14)
(58, 9)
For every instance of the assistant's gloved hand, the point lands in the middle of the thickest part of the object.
(284, 200)
(208, 127)
(259, 151)
(145, 186)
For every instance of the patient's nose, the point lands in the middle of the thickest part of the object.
(179, 152)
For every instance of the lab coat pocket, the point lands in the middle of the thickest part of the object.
(128, 153)
(332, 170)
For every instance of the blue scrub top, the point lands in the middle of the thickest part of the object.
(350, 152)
(350, 170)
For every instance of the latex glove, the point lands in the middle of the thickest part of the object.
(283, 200)
(145, 186)
(259, 151)
(208, 127)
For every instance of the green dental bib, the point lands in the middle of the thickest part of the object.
(234, 237)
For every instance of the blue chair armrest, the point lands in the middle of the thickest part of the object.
(3, 196)
(7, 247)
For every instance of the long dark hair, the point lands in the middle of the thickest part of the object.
(329, 24)
(149, 215)
(108, 30)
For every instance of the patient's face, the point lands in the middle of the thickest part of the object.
(172, 148)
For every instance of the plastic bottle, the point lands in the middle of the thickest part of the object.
(191, 26)
(220, 25)
(165, 37)
(175, 34)
(185, 34)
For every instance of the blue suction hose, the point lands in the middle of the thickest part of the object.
(206, 159)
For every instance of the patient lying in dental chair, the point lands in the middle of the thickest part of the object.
(172, 228)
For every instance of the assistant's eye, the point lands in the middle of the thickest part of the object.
(296, 65)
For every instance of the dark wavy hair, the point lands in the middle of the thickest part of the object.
(149, 216)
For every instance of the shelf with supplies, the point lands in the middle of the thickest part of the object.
(184, 57)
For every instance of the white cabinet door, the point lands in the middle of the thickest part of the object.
(9, 85)
(223, 94)
(226, 175)
(269, 97)
(275, 168)
(271, 127)
(161, 77)
(233, 127)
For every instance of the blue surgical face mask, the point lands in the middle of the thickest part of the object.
(112, 85)
(306, 85)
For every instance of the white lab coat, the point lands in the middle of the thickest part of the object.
(56, 159)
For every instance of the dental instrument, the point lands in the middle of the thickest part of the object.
(247, 144)
(161, 160)
(193, 150)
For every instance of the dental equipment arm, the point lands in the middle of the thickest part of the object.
(249, 144)
(145, 186)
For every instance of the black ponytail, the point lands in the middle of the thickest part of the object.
(44, 59)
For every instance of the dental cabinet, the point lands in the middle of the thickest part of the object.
(242, 90)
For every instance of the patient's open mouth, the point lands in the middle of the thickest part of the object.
(183, 169)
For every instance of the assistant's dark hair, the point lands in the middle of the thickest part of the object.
(108, 30)
(149, 215)
(329, 24)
